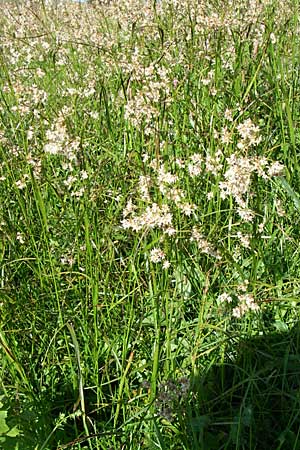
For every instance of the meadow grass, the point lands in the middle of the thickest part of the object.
(149, 225)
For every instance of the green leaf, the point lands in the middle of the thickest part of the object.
(13, 432)
(290, 191)
(3, 415)
(281, 326)
(3, 427)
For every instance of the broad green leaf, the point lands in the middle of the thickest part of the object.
(13, 432)
(3, 427)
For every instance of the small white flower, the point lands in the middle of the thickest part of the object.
(273, 38)
(157, 255)
(166, 264)
(244, 239)
(170, 231)
(20, 184)
(225, 298)
(276, 169)
(228, 115)
(20, 238)
(246, 214)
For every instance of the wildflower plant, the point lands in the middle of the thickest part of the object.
(149, 224)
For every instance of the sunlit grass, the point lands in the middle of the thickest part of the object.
(149, 225)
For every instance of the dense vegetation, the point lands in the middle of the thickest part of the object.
(149, 220)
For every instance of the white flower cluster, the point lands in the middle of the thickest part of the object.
(157, 255)
(59, 143)
(249, 134)
(203, 244)
(154, 216)
(245, 304)
(238, 177)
